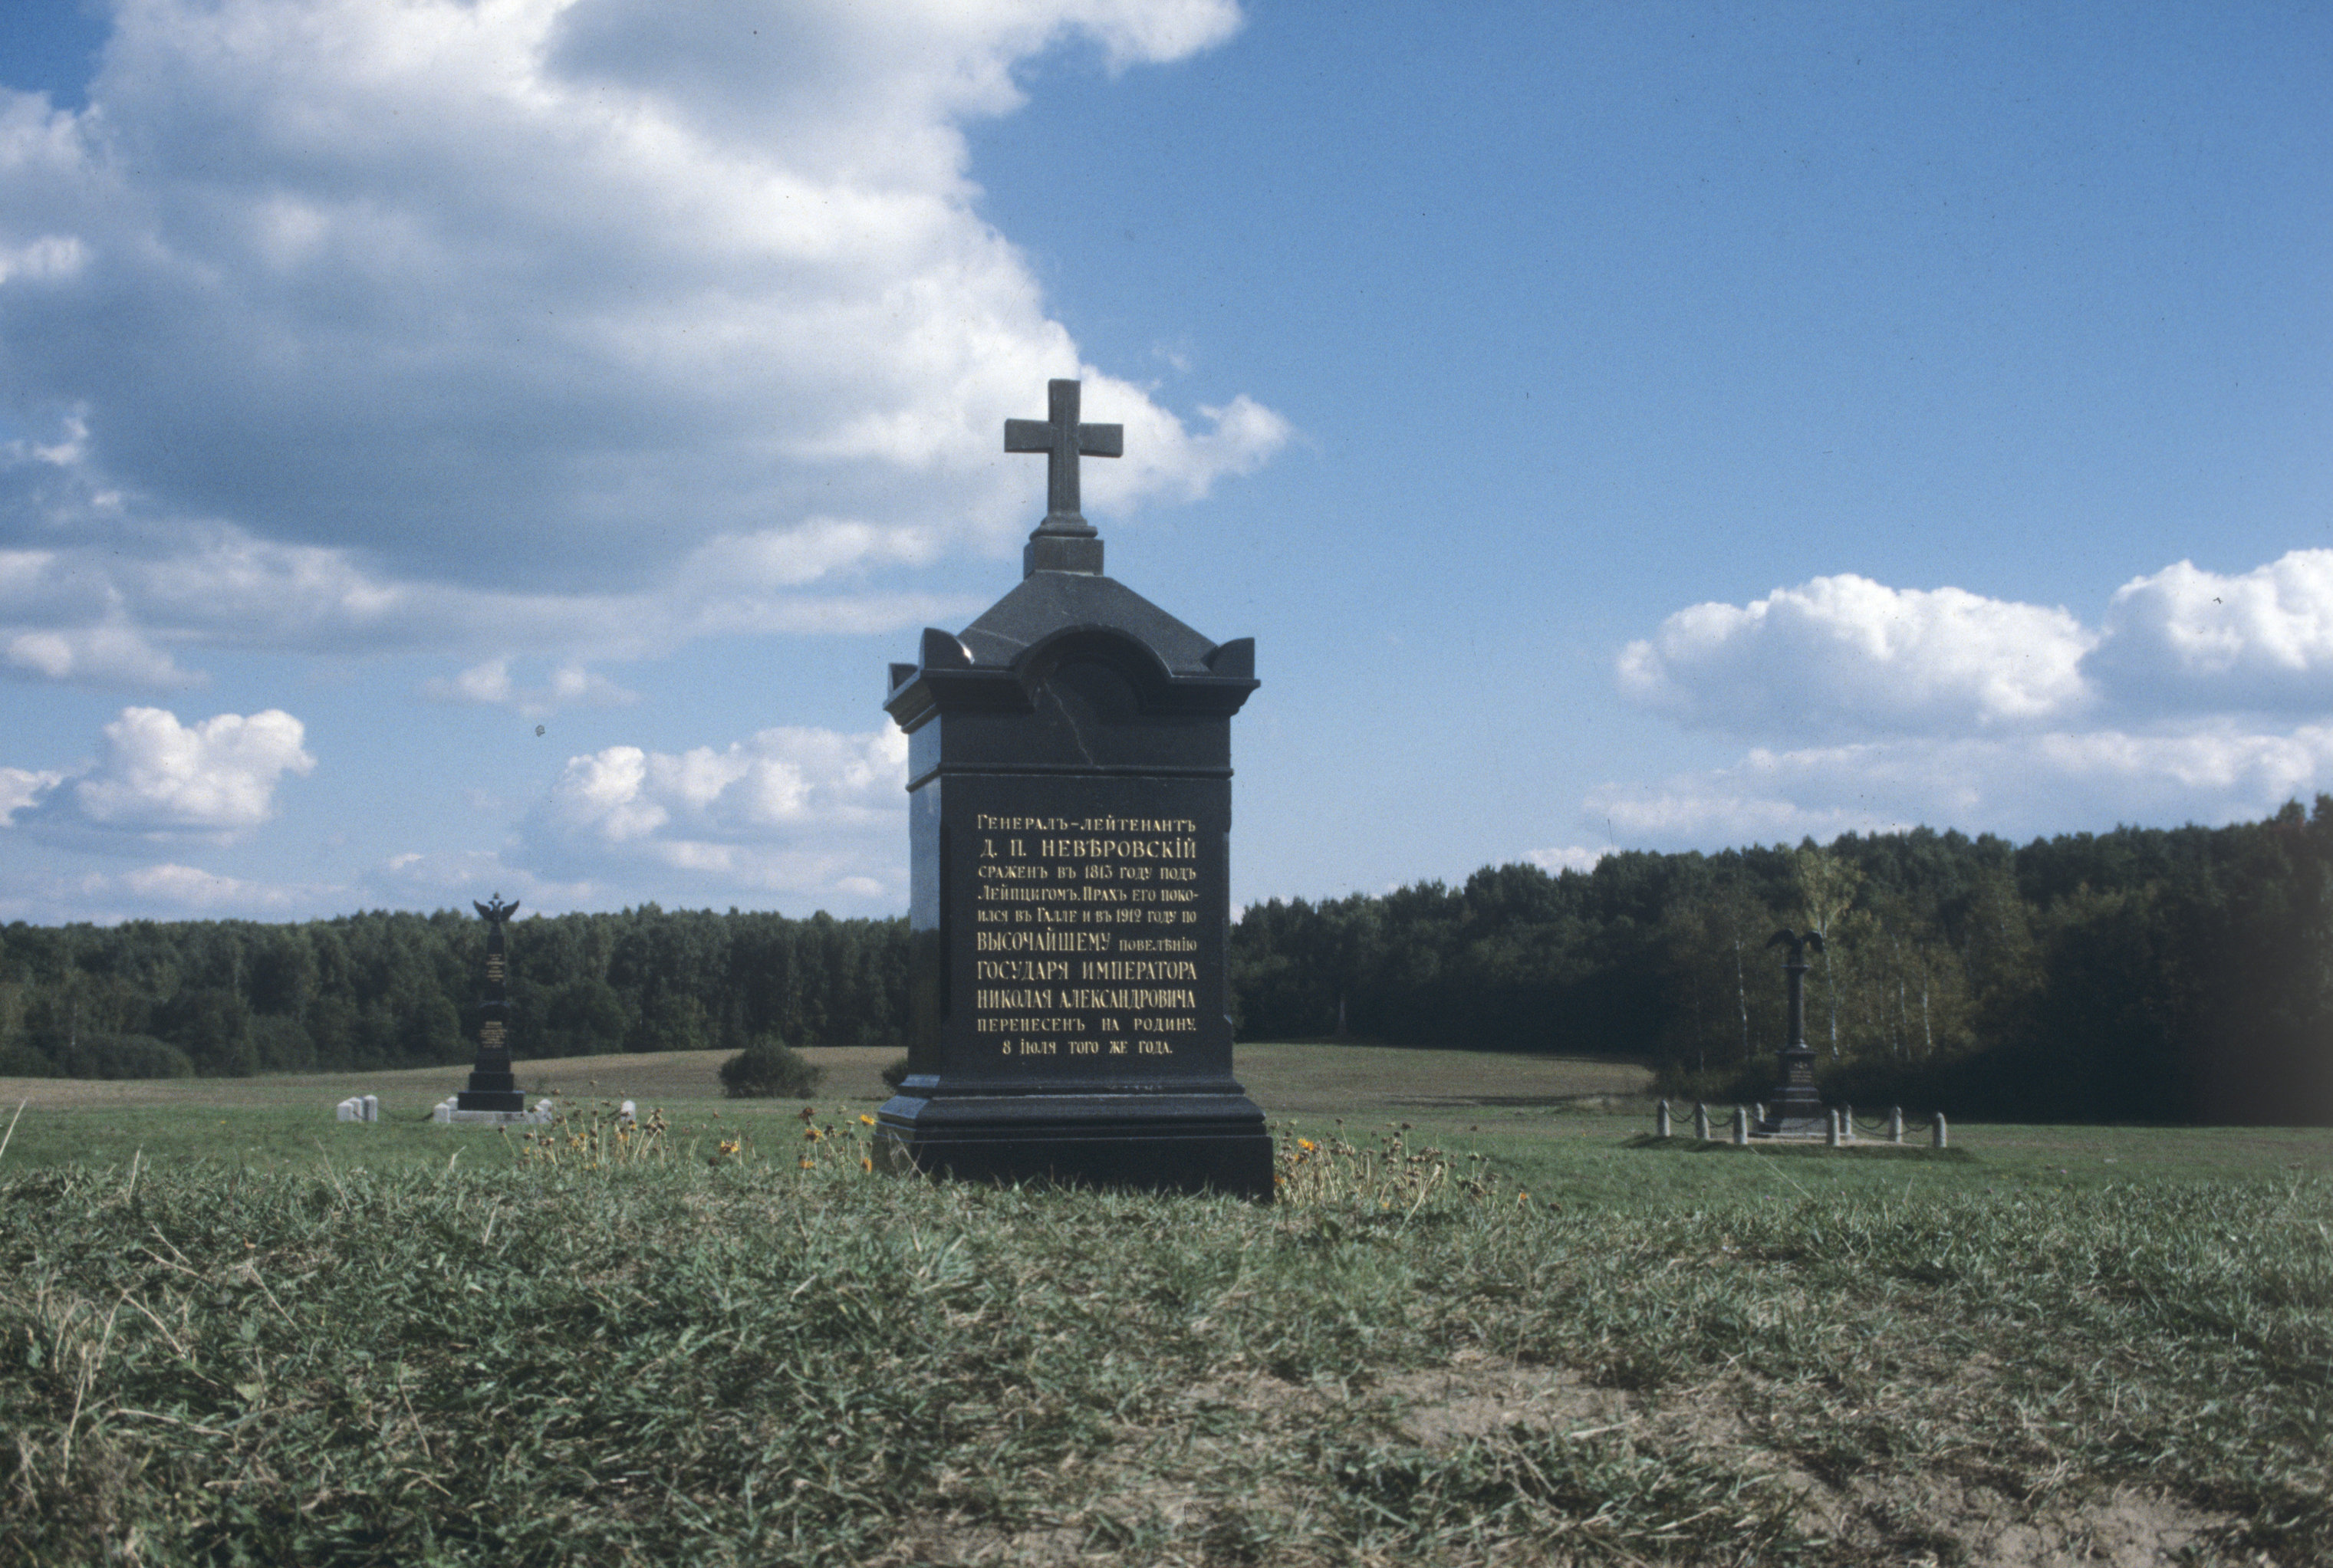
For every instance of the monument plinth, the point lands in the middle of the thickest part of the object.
(493, 1085)
(1797, 1110)
(1070, 826)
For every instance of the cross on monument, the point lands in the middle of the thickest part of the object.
(1063, 440)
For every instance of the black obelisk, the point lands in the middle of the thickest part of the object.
(1796, 1111)
(493, 1085)
(1070, 813)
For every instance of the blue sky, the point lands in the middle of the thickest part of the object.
(482, 444)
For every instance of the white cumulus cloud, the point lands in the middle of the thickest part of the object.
(155, 775)
(2199, 696)
(190, 887)
(103, 656)
(541, 324)
(2186, 638)
(812, 813)
(1567, 858)
(491, 684)
(22, 788)
(2022, 786)
(1843, 655)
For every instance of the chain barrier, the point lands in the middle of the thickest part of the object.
(1738, 1125)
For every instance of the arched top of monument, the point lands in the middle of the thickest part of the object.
(1052, 615)
(1047, 604)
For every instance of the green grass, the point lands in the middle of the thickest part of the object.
(396, 1355)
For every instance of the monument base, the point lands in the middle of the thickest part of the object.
(493, 1085)
(1157, 1142)
(452, 1109)
(1806, 1129)
(1796, 1111)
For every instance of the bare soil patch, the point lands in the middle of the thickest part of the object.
(1934, 1517)
(1475, 1396)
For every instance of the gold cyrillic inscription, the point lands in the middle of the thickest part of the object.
(1079, 968)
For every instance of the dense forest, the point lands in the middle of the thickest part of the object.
(149, 999)
(2181, 974)
(2144, 974)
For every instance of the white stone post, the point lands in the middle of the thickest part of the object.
(373, 1107)
(1895, 1124)
(1939, 1139)
(1830, 1128)
(1700, 1121)
(1661, 1120)
(1742, 1126)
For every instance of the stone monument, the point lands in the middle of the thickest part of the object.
(1796, 1111)
(1069, 821)
(493, 1085)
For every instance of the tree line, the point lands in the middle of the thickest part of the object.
(2179, 974)
(379, 990)
(2152, 974)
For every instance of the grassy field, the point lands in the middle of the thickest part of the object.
(236, 1331)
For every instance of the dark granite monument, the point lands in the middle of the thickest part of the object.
(1796, 1111)
(493, 1085)
(1069, 826)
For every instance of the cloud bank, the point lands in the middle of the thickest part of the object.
(577, 325)
(2198, 696)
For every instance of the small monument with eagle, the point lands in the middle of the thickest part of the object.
(494, 1094)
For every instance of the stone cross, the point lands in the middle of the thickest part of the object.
(1064, 441)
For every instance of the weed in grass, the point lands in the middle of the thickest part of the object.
(1332, 1172)
(600, 1137)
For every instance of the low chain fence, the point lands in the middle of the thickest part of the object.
(1842, 1126)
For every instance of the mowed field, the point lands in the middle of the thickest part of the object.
(1334, 1080)
(1492, 1321)
(1562, 1122)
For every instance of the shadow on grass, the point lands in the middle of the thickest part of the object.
(1808, 1150)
